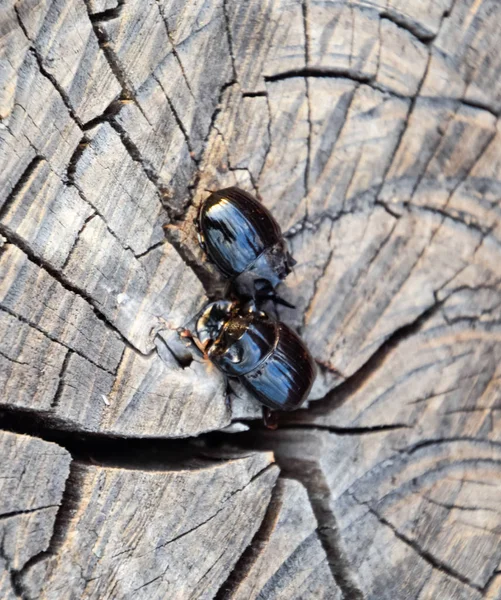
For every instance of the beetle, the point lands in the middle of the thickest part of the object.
(244, 241)
(268, 358)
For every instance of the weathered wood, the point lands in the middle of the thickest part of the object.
(370, 128)
(33, 474)
(286, 558)
(134, 533)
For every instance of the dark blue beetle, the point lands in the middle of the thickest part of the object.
(265, 355)
(245, 243)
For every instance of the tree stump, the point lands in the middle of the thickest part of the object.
(370, 129)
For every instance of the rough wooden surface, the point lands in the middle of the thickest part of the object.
(133, 532)
(370, 128)
(33, 474)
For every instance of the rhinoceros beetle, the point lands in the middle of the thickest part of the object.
(244, 241)
(268, 358)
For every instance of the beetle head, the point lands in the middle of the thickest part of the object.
(211, 322)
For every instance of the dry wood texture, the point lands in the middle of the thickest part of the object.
(370, 128)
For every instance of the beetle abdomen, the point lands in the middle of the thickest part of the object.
(283, 381)
(236, 229)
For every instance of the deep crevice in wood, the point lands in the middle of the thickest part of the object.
(400, 21)
(150, 249)
(270, 138)
(258, 94)
(230, 38)
(427, 443)
(108, 15)
(20, 184)
(319, 495)
(136, 156)
(60, 385)
(480, 106)
(344, 430)
(28, 511)
(327, 72)
(77, 237)
(410, 111)
(113, 450)
(105, 117)
(201, 270)
(109, 54)
(71, 181)
(442, 212)
(355, 382)
(12, 575)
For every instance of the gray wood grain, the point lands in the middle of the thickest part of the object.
(33, 474)
(286, 559)
(370, 129)
(134, 532)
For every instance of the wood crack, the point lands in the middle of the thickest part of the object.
(328, 72)
(230, 38)
(17, 241)
(51, 337)
(420, 551)
(410, 450)
(21, 184)
(249, 557)
(69, 501)
(60, 386)
(213, 516)
(59, 89)
(355, 382)
(319, 495)
(28, 511)
(347, 431)
(109, 14)
(176, 117)
(109, 53)
(174, 49)
(399, 20)
(452, 506)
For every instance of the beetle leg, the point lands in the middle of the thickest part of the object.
(201, 241)
(279, 300)
(229, 391)
(270, 418)
(187, 334)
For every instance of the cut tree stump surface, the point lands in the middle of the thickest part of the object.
(371, 130)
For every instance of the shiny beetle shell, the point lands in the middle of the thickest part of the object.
(268, 358)
(244, 241)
